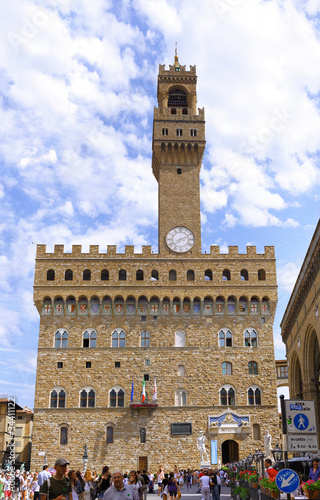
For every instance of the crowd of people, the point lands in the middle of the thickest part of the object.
(64, 484)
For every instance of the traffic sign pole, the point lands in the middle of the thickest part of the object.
(284, 434)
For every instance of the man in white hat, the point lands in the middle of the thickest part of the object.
(58, 486)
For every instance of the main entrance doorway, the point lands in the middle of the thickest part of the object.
(143, 464)
(230, 451)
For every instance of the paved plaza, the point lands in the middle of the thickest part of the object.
(191, 493)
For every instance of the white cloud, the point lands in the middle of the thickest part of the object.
(287, 275)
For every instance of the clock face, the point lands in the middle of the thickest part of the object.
(180, 239)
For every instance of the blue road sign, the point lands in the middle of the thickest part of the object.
(287, 480)
(301, 421)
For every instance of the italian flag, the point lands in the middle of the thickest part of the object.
(144, 391)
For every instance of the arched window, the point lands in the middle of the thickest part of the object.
(181, 371)
(254, 396)
(256, 432)
(86, 275)
(139, 275)
(226, 368)
(181, 398)
(145, 339)
(54, 399)
(118, 338)
(68, 275)
(154, 275)
(227, 396)
(63, 435)
(190, 275)
(172, 275)
(87, 398)
(89, 338)
(226, 275)
(61, 338)
(261, 275)
(250, 337)
(122, 275)
(180, 339)
(208, 275)
(244, 275)
(116, 397)
(104, 275)
(177, 99)
(109, 437)
(225, 338)
(253, 368)
(50, 275)
(58, 398)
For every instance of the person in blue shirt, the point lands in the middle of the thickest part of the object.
(315, 471)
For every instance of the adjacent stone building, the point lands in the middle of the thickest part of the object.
(300, 329)
(196, 327)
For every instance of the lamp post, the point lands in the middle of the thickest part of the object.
(277, 453)
(249, 460)
(85, 458)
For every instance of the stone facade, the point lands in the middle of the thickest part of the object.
(300, 329)
(197, 324)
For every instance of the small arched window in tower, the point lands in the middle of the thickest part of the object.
(253, 368)
(58, 399)
(254, 396)
(190, 275)
(86, 275)
(50, 275)
(208, 275)
(244, 275)
(181, 371)
(139, 275)
(122, 275)
(145, 338)
(226, 368)
(172, 275)
(179, 132)
(109, 434)
(104, 275)
(256, 432)
(226, 275)
(261, 275)
(63, 435)
(54, 399)
(68, 275)
(154, 275)
(185, 111)
(227, 396)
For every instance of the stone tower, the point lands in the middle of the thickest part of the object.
(178, 146)
(196, 328)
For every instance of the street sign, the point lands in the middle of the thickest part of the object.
(287, 480)
(303, 442)
(301, 417)
(42, 453)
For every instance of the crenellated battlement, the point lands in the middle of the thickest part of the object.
(163, 71)
(165, 113)
(233, 253)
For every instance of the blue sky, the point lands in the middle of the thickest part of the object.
(77, 90)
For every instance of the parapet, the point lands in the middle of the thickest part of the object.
(172, 69)
(233, 253)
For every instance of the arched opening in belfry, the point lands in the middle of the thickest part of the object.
(177, 98)
(230, 451)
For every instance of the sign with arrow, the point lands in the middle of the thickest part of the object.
(287, 480)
